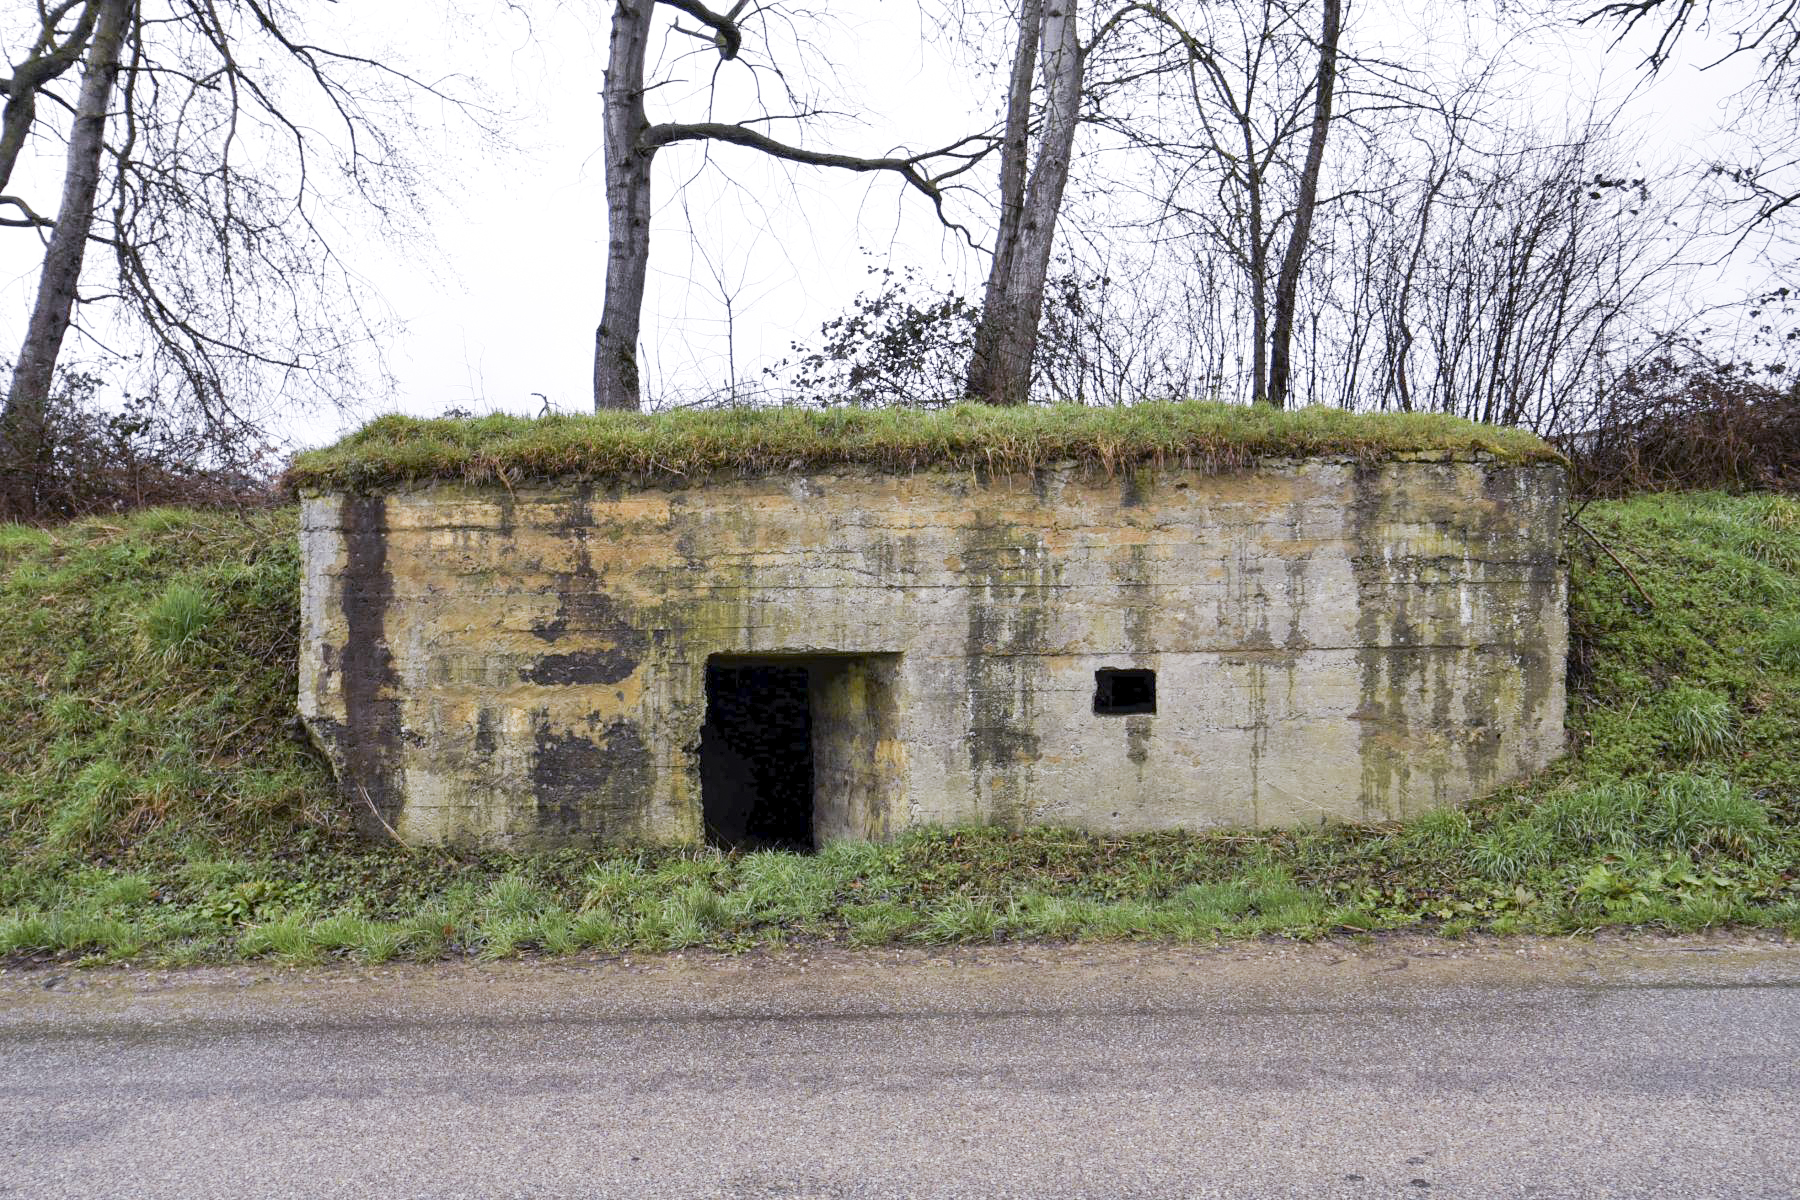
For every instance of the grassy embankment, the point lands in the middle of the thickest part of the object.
(157, 806)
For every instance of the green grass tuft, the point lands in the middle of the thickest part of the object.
(1781, 648)
(176, 619)
(1701, 720)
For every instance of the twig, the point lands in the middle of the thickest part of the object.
(1617, 561)
(394, 833)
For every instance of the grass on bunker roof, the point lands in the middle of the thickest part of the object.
(690, 446)
(157, 804)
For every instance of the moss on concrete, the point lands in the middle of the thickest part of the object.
(687, 447)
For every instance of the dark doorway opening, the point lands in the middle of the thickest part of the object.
(756, 756)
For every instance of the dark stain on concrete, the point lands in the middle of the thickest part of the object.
(1011, 593)
(370, 742)
(1295, 566)
(578, 516)
(1372, 711)
(1137, 740)
(1137, 598)
(1131, 489)
(582, 667)
(588, 788)
(592, 617)
(486, 740)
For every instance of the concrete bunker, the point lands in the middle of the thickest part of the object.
(792, 658)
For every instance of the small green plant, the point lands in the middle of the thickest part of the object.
(97, 798)
(288, 939)
(609, 886)
(1695, 812)
(1700, 720)
(430, 933)
(959, 918)
(508, 936)
(697, 904)
(1440, 831)
(177, 619)
(785, 888)
(514, 896)
(124, 891)
(599, 931)
(1512, 851)
(1781, 646)
(556, 932)
(879, 923)
(366, 940)
(256, 900)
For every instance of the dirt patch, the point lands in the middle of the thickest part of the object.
(823, 979)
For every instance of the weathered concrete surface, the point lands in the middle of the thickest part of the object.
(1482, 1071)
(1330, 641)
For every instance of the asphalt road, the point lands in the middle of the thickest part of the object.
(1666, 1069)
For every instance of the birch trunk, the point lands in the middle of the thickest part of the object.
(1287, 284)
(27, 401)
(628, 161)
(1006, 341)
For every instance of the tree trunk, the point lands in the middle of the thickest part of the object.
(1259, 271)
(1006, 341)
(22, 429)
(1287, 285)
(628, 161)
(1015, 157)
(47, 61)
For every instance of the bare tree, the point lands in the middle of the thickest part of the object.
(1256, 109)
(28, 398)
(55, 47)
(1030, 198)
(1769, 29)
(1306, 203)
(632, 141)
(1051, 59)
(1262, 90)
(213, 149)
(1531, 266)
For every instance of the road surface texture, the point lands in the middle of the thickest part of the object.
(1409, 1068)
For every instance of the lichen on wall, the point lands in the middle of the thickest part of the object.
(1330, 640)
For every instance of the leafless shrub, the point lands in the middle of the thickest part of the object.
(1680, 418)
(97, 459)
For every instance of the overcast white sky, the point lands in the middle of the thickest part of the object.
(502, 301)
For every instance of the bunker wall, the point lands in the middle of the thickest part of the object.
(1329, 641)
